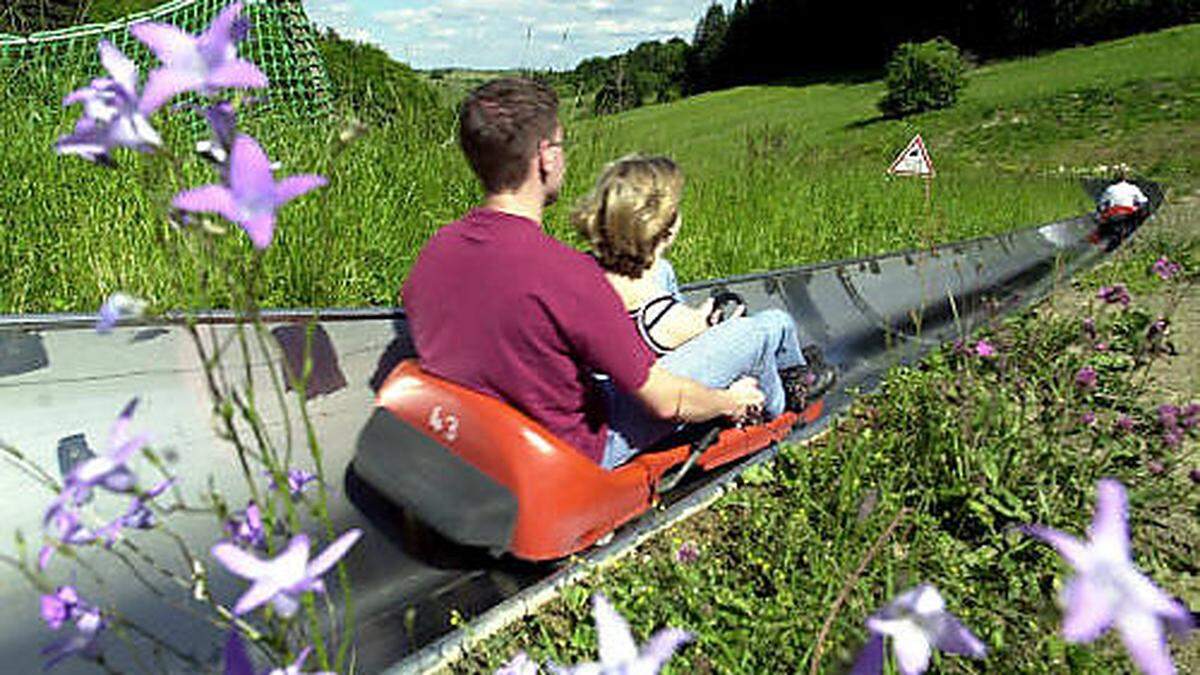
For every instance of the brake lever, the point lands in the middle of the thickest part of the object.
(698, 447)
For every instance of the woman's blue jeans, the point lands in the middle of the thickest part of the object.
(757, 346)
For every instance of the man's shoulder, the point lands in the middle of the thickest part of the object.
(526, 253)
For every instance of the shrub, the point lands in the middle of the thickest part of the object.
(924, 76)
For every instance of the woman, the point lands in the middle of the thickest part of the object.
(630, 219)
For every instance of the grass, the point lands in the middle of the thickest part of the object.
(777, 176)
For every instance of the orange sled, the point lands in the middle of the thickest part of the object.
(482, 474)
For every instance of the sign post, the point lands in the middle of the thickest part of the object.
(914, 160)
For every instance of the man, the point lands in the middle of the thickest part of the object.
(497, 305)
(1120, 199)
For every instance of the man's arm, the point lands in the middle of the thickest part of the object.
(670, 396)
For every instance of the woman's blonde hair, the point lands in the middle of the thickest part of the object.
(633, 208)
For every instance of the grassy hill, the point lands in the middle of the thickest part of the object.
(778, 175)
(803, 164)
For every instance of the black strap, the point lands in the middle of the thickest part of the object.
(645, 309)
(644, 326)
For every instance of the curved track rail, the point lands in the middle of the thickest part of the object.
(61, 385)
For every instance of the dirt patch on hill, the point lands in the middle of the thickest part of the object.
(1179, 375)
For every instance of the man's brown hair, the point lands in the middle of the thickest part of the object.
(500, 125)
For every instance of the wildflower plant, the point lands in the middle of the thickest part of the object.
(619, 653)
(113, 115)
(916, 621)
(1166, 269)
(1109, 590)
(108, 500)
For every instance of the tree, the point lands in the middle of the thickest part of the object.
(707, 45)
(924, 76)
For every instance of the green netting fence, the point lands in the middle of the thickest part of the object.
(282, 42)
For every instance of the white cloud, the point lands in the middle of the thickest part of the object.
(509, 33)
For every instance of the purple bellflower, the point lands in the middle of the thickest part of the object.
(237, 661)
(297, 481)
(205, 63)
(112, 114)
(61, 608)
(1089, 328)
(1189, 416)
(222, 119)
(1168, 415)
(108, 470)
(252, 196)
(1175, 419)
(984, 349)
(137, 516)
(282, 580)
(1108, 588)
(223, 122)
(1114, 295)
(618, 651)
(1086, 378)
(1173, 438)
(118, 306)
(1166, 268)
(62, 523)
(917, 621)
(687, 553)
(245, 528)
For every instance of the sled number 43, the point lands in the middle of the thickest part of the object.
(443, 423)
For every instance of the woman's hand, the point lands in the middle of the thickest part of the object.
(718, 307)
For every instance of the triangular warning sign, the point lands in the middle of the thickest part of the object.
(914, 161)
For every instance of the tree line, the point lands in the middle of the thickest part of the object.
(763, 40)
(756, 41)
(652, 72)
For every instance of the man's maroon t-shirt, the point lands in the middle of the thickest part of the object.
(497, 305)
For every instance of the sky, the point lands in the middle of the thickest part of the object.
(501, 34)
